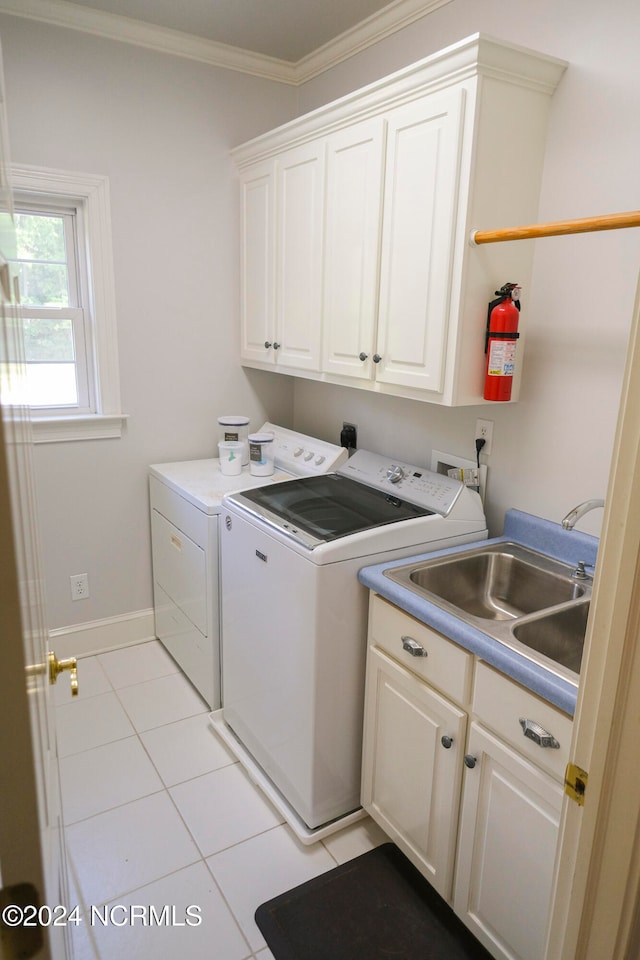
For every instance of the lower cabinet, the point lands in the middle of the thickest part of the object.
(457, 769)
(506, 848)
(415, 737)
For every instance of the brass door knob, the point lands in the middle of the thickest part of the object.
(58, 666)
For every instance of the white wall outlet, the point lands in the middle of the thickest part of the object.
(484, 431)
(79, 586)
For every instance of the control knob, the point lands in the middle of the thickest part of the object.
(395, 474)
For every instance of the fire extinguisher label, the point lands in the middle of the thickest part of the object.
(502, 358)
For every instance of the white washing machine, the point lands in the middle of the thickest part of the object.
(295, 620)
(185, 502)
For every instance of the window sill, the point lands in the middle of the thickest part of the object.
(89, 427)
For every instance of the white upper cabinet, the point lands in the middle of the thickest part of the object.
(356, 224)
(299, 226)
(257, 263)
(355, 164)
(282, 210)
(424, 140)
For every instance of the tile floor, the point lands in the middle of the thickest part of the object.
(158, 812)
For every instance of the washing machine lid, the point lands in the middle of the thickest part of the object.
(315, 510)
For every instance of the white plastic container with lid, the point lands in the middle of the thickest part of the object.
(261, 454)
(235, 428)
(230, 452)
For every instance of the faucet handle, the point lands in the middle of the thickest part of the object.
(580, 573)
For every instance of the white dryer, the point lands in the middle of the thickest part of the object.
(185, 503)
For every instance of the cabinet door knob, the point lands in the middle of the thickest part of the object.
(538, 734)
(446, 742)
(470, 761)
(267, 344)
(363, 356)
(377, 358)
(276, 346)
(413, 647)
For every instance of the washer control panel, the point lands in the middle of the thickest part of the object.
(406, 481)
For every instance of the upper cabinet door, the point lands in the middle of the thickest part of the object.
(300, 199)
(424, 143)
(355, 158)
(257, 300)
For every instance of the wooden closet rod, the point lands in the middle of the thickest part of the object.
(613, 221)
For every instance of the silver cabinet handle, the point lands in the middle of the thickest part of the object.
(446, 742)
(413, 647)
(470, 761)
(377, 358)
(538, 734)
(363, 356)
(277, 346)
(267, 344)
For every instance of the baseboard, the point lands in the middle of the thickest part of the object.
(99, 636)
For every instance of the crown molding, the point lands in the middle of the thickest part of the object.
(61, 13)
(392, 18)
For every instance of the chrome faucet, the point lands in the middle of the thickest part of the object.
(574, 515)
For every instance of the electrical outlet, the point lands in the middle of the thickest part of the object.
(484, 431)
(349, 436)
(79, 586)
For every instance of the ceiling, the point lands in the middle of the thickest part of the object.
(285, 40)
(285, 29)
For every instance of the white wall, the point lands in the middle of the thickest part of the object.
(160, 128)
(553, 448)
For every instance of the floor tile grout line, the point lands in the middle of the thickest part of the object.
(117, 806)
(236, 919)
(138, 683)
(178, 783)
(95, 746)
(107, 677)
(168, 722)
(222, 849)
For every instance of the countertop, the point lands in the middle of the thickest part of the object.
(202, 483)
(545, 536)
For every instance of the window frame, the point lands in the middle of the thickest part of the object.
(78, 309)
(89, 192)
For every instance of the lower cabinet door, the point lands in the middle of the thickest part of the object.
(506, 848)
(412, 762)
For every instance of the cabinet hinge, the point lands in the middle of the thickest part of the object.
(575, 783)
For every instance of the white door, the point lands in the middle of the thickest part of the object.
(412, 763)
(424, 143)
(509, 826)
(257, 263)
(300, 204)
(352, 248)
(32, 864)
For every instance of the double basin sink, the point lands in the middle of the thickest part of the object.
(526, 600)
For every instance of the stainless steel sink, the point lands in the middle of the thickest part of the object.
(558, 635)
(495, 584)
(525, 599)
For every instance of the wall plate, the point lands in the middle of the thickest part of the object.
(443, 462)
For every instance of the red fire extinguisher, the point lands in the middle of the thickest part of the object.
(500, 342)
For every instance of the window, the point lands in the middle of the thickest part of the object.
(64, 264)
(53, 291)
